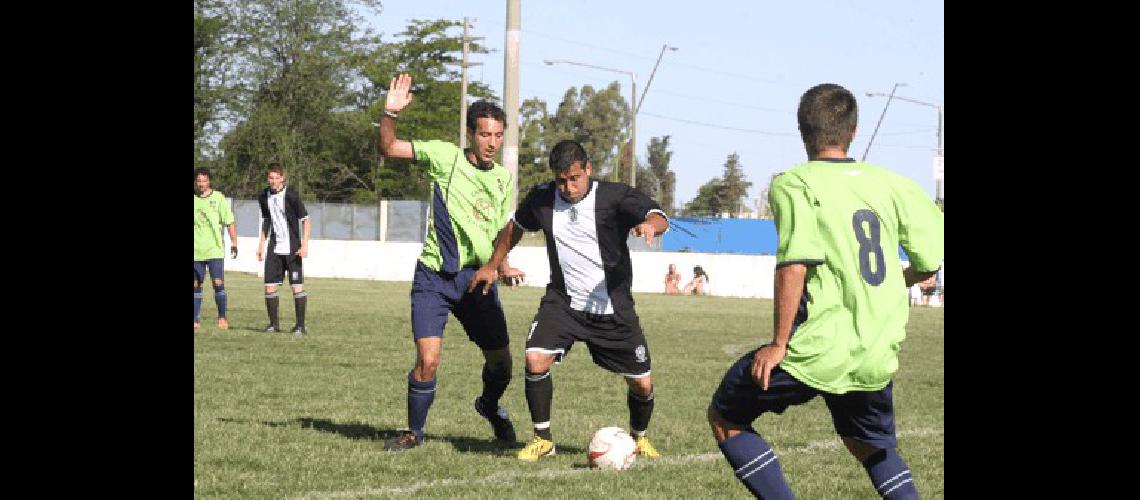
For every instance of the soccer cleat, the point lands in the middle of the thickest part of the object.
(536, 449)
(299, 331)
(500, 421)
(645, 448)
(223, 324)
(271, 329)
(404, 441)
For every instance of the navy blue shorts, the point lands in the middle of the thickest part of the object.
(867, 416)
(217, 267)
(434, 294)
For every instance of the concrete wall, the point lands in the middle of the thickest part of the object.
(729, 275)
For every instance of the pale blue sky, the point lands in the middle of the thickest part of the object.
(739, 71)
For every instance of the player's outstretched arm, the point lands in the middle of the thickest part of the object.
(399, 96)
(508, 237)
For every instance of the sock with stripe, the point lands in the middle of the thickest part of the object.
(220, 300)
(539, 393)
(197, 304)
(640, 409)
(755, 465)
(420, 397)
(890, 475)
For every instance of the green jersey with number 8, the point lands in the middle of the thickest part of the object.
(846, 221)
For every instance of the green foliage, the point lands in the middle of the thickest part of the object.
(722, 194)
(660, 181)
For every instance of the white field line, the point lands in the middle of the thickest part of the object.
(510, 477)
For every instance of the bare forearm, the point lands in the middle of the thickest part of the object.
(387, 134)
(789, 290)
(233, 234)
(508, 237)
(306, 229)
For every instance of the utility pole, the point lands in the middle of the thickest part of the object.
(511, 95)
(892, 96)
(650, 82)
(463, 88)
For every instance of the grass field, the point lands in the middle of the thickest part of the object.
(276, 417)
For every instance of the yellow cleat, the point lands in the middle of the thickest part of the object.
(645, 448)
(536, 449)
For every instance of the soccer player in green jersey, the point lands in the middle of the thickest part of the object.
(211, 212)
(840, 303)
(470, 202)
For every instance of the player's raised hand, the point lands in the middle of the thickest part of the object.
(766, 358)
(645, 229)
(485, 274)
(399, 93)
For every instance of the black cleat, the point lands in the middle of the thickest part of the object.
(271, 329)
(404, 441)
(500, 421)
(299, 331)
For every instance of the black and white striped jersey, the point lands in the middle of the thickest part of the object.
(586, 242)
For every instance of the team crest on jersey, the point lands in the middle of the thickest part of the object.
(501, 186)
(573, 214)
(481, 207)
(639, 353)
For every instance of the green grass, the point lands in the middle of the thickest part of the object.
(276, 417)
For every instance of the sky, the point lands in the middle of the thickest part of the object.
(734, 82)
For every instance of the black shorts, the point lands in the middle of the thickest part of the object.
(615, 346)
(276, 265)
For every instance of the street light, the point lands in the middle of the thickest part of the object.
(896, 87)
(632, 110)
(937, 182)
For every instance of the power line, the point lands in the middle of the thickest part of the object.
(722, 127)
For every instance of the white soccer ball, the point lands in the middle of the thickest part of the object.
(611, 448)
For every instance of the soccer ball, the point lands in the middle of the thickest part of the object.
(611, 448)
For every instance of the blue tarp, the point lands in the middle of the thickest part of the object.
(716, 235)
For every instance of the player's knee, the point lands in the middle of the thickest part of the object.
(537, 362)
(197, 285)
(860, 450)
(219, 285)
(426, 366)
(270, 290)
(299, 290)
(643, 386)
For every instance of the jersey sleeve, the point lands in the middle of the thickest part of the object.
(921, 227)
(526, 215)
(634, 206)
(797, 227)
(433, 155)
(299, 206)
(226, 214)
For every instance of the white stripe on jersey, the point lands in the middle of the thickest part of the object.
(576, 240)
(276, 203)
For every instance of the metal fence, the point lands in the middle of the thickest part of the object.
(395, 220)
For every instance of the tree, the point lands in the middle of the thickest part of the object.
(664, 180)
(734, 185)
(431, 54)
(292, 64)
(708, 202)
(212, 23)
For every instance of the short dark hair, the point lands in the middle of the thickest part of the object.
(484, 109)
(700, 271)
(202, 171)
(276, 167)
(565, 154)
(827, 116)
